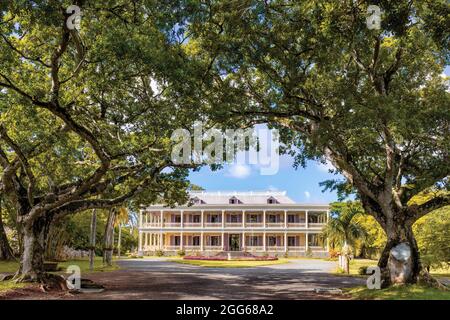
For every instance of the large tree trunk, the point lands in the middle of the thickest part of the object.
(400, 260)
(6, 253)
(32, 259)
(109, 238)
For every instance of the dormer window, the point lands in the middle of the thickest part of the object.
(197, 200)
(234, 200)
(272, 200)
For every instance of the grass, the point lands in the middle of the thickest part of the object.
(12, 266)
(407, 292)
(231, 263)
(9, 285)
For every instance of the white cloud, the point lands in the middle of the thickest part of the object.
(239, 171)
(325, 167)
(307, 195)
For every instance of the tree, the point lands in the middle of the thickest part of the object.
(371, 102)
(343, 230)
(108, 240)
(86, 115)
(433, 238)
(6, 252)
(121, 219)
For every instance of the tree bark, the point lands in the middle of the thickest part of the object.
(109, 238)
(6, 252)
(34, 243)
(119, 240)
(92, 239)
(393, 270)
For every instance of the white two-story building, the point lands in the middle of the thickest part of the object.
(266, 222)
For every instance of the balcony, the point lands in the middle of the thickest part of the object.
(233, 224)
(192, 225)
(172, 224)
(296, 225)
(254, 225)
(316, 225)
(275, 224)
(152, 225)
(254, 248)
(296, 248)
(213, 224)
(192, 248)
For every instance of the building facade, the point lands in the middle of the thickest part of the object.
(255, 222)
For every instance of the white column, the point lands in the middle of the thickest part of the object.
(223, 238)
(285, 242)
(161, 244)
(201, 218)
(306, 242)
(243, 218)
(306, 219)
(243, 241)
(181, 241)
(182, 217)
(264, 218)
(264, 242)
(223, 219)
(161, 216)
(201, 239)
(140, 218)
(285, 218)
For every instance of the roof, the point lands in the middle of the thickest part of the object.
(250, 197)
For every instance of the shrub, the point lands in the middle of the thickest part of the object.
(334, 254)
(309, 253)
(362, 270)
(159, 253)
(181, 253)
(286, 255)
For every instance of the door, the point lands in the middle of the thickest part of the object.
(235, 242)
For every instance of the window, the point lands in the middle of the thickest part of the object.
(313, 240)
(291, 241)
(214, 241)
(253, 240)
(272, 241)
(234, 218)
(196, 240)
(177, 219)
(214, 218)
(272, 218)
(176, 240)
(197, 200)
(234, 200)
(272, 200)
(253, 218)
(291, 218)
(196, 219)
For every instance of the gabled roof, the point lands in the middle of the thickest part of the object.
(251, 197)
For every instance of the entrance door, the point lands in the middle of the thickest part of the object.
(235, 242)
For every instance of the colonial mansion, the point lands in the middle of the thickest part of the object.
(260, 223)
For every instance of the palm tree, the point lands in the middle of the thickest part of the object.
(121, 219)
(342, 230)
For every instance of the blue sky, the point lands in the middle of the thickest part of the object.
(302, 185)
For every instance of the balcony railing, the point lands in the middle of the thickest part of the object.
(275, 248)
(152, 225)
(316, 225)
(194, 248)
(296, 248)
(296, 225)
(254, 248)
(233, 224)
(275, 224)
(254, 225)
(172, 224)
(213, 248)
(213, 224)
(172, 247)
(192, 225)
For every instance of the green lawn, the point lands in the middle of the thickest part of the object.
(231, 263)
(409, 292)
(8, 266)
(8, 285)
